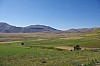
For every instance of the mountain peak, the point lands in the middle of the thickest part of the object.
(3, 23)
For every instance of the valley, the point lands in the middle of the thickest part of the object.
(50, 49)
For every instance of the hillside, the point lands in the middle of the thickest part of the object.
(81, 30)
(6, 28)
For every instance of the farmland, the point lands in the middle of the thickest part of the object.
(50, 49)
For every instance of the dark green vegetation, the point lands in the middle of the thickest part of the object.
(77, 47)
(40, 49)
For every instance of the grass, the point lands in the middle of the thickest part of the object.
(12, 53)
(17, 56)
(54, 43)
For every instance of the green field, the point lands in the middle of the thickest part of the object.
(39, 49)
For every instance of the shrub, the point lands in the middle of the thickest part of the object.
(77, 47)
(22, 43)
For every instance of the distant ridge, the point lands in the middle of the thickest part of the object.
(82, 30)
(6, 28)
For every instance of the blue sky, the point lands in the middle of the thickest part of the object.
(60, 14)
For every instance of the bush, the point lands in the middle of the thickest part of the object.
(22, 43)
(77, 47)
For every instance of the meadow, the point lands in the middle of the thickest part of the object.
(42, 49)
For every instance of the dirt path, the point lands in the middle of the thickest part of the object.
(72, 48)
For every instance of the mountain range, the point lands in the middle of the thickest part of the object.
(6, 28)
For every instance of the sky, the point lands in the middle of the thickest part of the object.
(59, 14)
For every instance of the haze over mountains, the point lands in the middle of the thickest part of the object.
(6, 28)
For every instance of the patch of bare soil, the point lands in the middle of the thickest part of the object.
(72, 48)
(91, 48)
(65, 47)
(9, 42)
(41, 39)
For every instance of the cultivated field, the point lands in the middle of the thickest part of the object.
(50, 49)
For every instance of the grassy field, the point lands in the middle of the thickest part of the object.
(39, 49)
